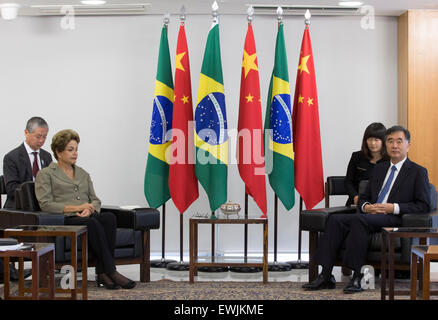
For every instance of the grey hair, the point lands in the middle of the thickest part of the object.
(36, 122)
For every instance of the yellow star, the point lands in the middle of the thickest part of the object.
(303, 66)
(249, 98)
(249, 62)
(178, 64)
(300, 99)
(185, 99)
(309, 101)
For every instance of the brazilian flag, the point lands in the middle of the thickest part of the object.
(211, 137)
(278, 121)
(156, 186)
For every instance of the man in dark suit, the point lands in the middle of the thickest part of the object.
(396, 187)
(22, 164)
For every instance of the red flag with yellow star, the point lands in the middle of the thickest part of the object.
(250, 150)
(309, 178)
(183, 185)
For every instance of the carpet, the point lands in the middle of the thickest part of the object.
(231, 290)
(225, 290)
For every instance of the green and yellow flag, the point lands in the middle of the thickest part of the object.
(156, 186)
(211, 137)
(278, 121)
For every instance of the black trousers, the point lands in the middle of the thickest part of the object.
(354, 230)
(101, 236)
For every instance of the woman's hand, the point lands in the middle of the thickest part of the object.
(356, 200)
(86, 205)
(84, 213)
(80, 208)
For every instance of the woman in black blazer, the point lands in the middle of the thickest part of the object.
(362, 162)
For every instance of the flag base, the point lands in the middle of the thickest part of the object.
(161, 263)
(178, 266)
(299, 264)
(213, 269)
(279, 266)
(246, 269)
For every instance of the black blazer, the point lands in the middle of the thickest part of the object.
(410, 190)
(17, 169)
(359, 168)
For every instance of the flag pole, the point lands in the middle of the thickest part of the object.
(245, 269)
(245, 255)
(214, 13)
(249, 17)
(277, 266)
(180, 265)
(213, 250)
(246, 227)
(162, 263)
(213, 216)
(301, 264)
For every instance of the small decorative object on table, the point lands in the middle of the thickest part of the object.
(230, 208)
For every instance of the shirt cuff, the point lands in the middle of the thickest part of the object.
(396, 208)
(363, 206)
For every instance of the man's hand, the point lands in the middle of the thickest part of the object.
(385, 207)
(372, 209)
(379, 208)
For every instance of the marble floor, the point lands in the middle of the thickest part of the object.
(295, 275)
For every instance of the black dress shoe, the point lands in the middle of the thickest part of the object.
(102, 280)
(354, 285)
(122, 281)
(319, 283)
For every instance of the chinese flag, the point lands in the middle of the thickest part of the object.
(309, 178)
(250, 150)
(183, 185)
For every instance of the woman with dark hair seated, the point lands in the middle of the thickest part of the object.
(67, 188)
(362, 162)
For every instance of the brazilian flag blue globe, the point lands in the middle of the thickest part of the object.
(211, 137)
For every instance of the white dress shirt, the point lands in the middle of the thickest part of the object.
(30, 152)
(396, 172)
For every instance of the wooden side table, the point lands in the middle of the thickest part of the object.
(387, 261)
(225, 261)
(422, 255)
(34, 251)
(73, 232)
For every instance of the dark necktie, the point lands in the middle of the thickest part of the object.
(35, 167)
(387, 185)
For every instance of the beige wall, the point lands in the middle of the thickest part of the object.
(418, 85)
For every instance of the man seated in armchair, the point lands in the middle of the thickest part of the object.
(396, 187)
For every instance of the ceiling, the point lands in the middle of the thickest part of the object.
(381, 7)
